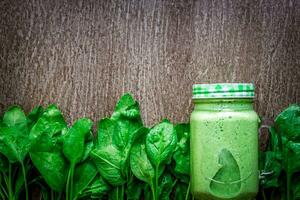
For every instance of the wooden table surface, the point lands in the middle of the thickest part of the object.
(83, 55)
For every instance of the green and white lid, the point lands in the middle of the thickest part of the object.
(223, 90)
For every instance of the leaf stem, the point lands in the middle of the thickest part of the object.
(156, 182)
(34, 180)
(67, 185)
(272, 195)
(122, 192)
(152, 189)
(263, 194)
(25, 180)
(288, 186)
(52, 198)
(5, 179)
(59, 196)
(3, 190)
(117, 193)
(1, 193)
(10, 193)
(188, 192)
(72, 175)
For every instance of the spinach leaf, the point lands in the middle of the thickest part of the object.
(96, 189)
(134, 189)
(106, 127)
(181, 157)
(166, 186)
(283, 155)
(288, 123)
(34, 115)
(88, 146)
(127, 107)
(84, 174)
(273, 162)
(19, 179)
(14, 144)
(291, 164)
(160, 144)
(52, 166)
(46, 150)
(107, 157)
(147, 192)
(15, 117)
(124, 134)
(73, 148)
(46, 134)
(116, 193)
(116, 136)
(139, 162)
(108, 161)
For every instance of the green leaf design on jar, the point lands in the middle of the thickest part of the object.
(226, 182)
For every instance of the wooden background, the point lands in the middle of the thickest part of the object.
(83, 55)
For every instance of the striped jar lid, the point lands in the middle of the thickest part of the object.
(223, 90)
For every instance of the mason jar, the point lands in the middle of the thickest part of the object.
(224, 142)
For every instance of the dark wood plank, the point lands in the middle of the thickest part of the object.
(83, 55)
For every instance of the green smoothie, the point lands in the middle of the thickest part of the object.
(224, 146)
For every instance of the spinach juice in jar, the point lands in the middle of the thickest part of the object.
(224, 142)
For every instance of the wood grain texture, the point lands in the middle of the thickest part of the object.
(83, 55)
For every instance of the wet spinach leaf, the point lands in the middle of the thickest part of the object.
(46, 148)
(34, 116)
(160, 144)
(52, 166)
(283, 155)
(116, 136)
(181, 157)
(288, 123)
(14, 140)
(73, 146)
(73, 149)
(84, 174)
(15, 117)
(96, 189)
(107, 157)
(14, 145)
(139, 162)
(128, 108)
